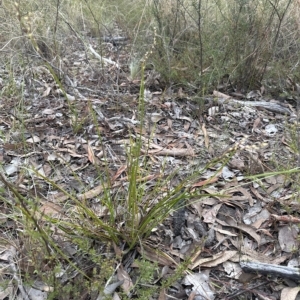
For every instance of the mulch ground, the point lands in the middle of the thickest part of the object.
(238, 218)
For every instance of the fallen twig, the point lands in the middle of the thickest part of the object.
(269, 269)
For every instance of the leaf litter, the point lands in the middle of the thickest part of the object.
(235, 222)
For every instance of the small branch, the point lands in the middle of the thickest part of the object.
(269, 269)
(274, 107)
(103, 59)
(286, 219)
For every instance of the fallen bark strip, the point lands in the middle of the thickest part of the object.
(286, 219)
(271, 106)
(269, 269)
(274, 107)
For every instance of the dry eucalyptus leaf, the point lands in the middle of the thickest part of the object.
(124, 279)
(214, 260)
(209, 216)
(287, 237)
(34, 139)
(289, 293)
(157, 256)
(200, 283)
(225, 232)
(240, 226)
(232, 269)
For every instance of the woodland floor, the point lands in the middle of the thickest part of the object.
(255, 220)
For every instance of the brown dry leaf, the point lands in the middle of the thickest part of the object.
(225, 232)
(249, 229)
(162, 294)
(221, 238)
(256, 124)
(289, 293)
(91, 155)
(273, 188)
(48, 111)
(257, 194)
(156, 117)
(240, 226)
(212, 111)
(3, 218)
(156, 256)
(100, 210)
(6, 252)
(194, 251)
(13, 146)
(237, 163)
(213, 261)
(92, 193)
(143, 179)
(206, 182)
(288, 238)
(216, 194)
(192, 295)
(197, 205)
(200, 285)
(171, 152)
(5, 292)
(72, 142)
(206, 139)
(247, 254)
(123, 275)
(280, 260)
(95, 191)
(190, 149)
(119, 172)
(209, 216)
(246, 194)
(271, 180)
(232, 269)
(51, 209)
(266, 232)
(47, 169)
(117, 250)
(208, 201)
(33, 139)
(72, 153)
(47, 91)
(258, 223)
(187, 126)
(180, 93)
(221, 95)
(281, 179)
(170, 124)
(59, 197)
(246, 278)
(116, 297)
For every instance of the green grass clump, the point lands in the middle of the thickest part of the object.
(198, 43)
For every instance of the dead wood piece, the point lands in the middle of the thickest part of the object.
(271, 106)
(269, 269)
(115, 39)
(286, 219)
